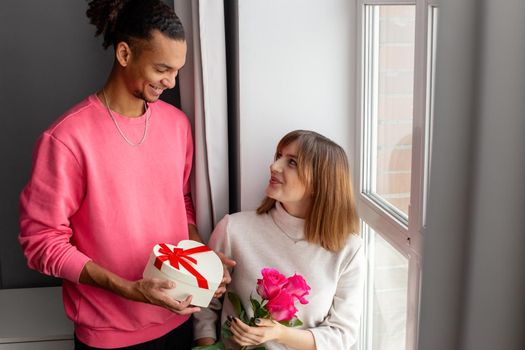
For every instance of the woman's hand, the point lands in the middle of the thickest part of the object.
(266, 330)
(226, 278)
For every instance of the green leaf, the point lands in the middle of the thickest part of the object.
(225, 331)
(236, 303)
(217, 346)
(294, 322)
(262, 313)
(259, 348)
(242, 316)
(255, 304)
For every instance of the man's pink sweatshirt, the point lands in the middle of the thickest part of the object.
(93, 196)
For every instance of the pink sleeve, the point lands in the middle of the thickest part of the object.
(188, 202)
(51, 197)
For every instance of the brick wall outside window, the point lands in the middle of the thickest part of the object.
(395, 101)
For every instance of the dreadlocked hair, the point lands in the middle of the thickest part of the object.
(128, 20)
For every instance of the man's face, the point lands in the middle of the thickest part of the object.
(154, 66)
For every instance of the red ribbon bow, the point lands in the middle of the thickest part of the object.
(181, 256)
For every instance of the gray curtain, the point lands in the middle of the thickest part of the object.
(204, 99)
(473, 291)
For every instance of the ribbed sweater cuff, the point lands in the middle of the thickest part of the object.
(73, 266)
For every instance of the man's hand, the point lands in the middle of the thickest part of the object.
(226, 278)
(148, 290)
(154, 291)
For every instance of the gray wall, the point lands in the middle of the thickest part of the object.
(50, 60)
(473, 279)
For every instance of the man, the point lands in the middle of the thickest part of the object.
(110, 180)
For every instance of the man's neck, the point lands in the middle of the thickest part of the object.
(120, 100)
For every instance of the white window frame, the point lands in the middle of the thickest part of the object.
(405, 235)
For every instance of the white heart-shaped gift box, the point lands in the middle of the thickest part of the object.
(195, 269)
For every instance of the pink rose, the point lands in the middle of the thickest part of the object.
(281, 307)
(271, 283)
(298, 288)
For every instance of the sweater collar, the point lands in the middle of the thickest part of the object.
(291, 226)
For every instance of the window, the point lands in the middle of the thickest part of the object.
(386, 292)
(397, 47)
(389, 84)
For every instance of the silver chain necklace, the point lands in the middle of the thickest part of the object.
(148, 113)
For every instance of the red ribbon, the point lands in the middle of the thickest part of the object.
(181, 256)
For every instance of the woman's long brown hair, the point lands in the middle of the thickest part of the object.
(323, 169)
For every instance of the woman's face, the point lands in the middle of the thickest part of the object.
(285, 186)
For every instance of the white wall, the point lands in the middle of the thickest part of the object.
(296, 70)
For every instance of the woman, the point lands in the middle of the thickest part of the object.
(307, 225)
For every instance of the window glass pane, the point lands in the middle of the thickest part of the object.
(390, 75)
(388, 290)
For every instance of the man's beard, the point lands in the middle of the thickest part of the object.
(140, 94)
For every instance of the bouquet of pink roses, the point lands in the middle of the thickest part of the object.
(279, 295)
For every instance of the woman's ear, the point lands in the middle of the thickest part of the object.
(123, 53)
